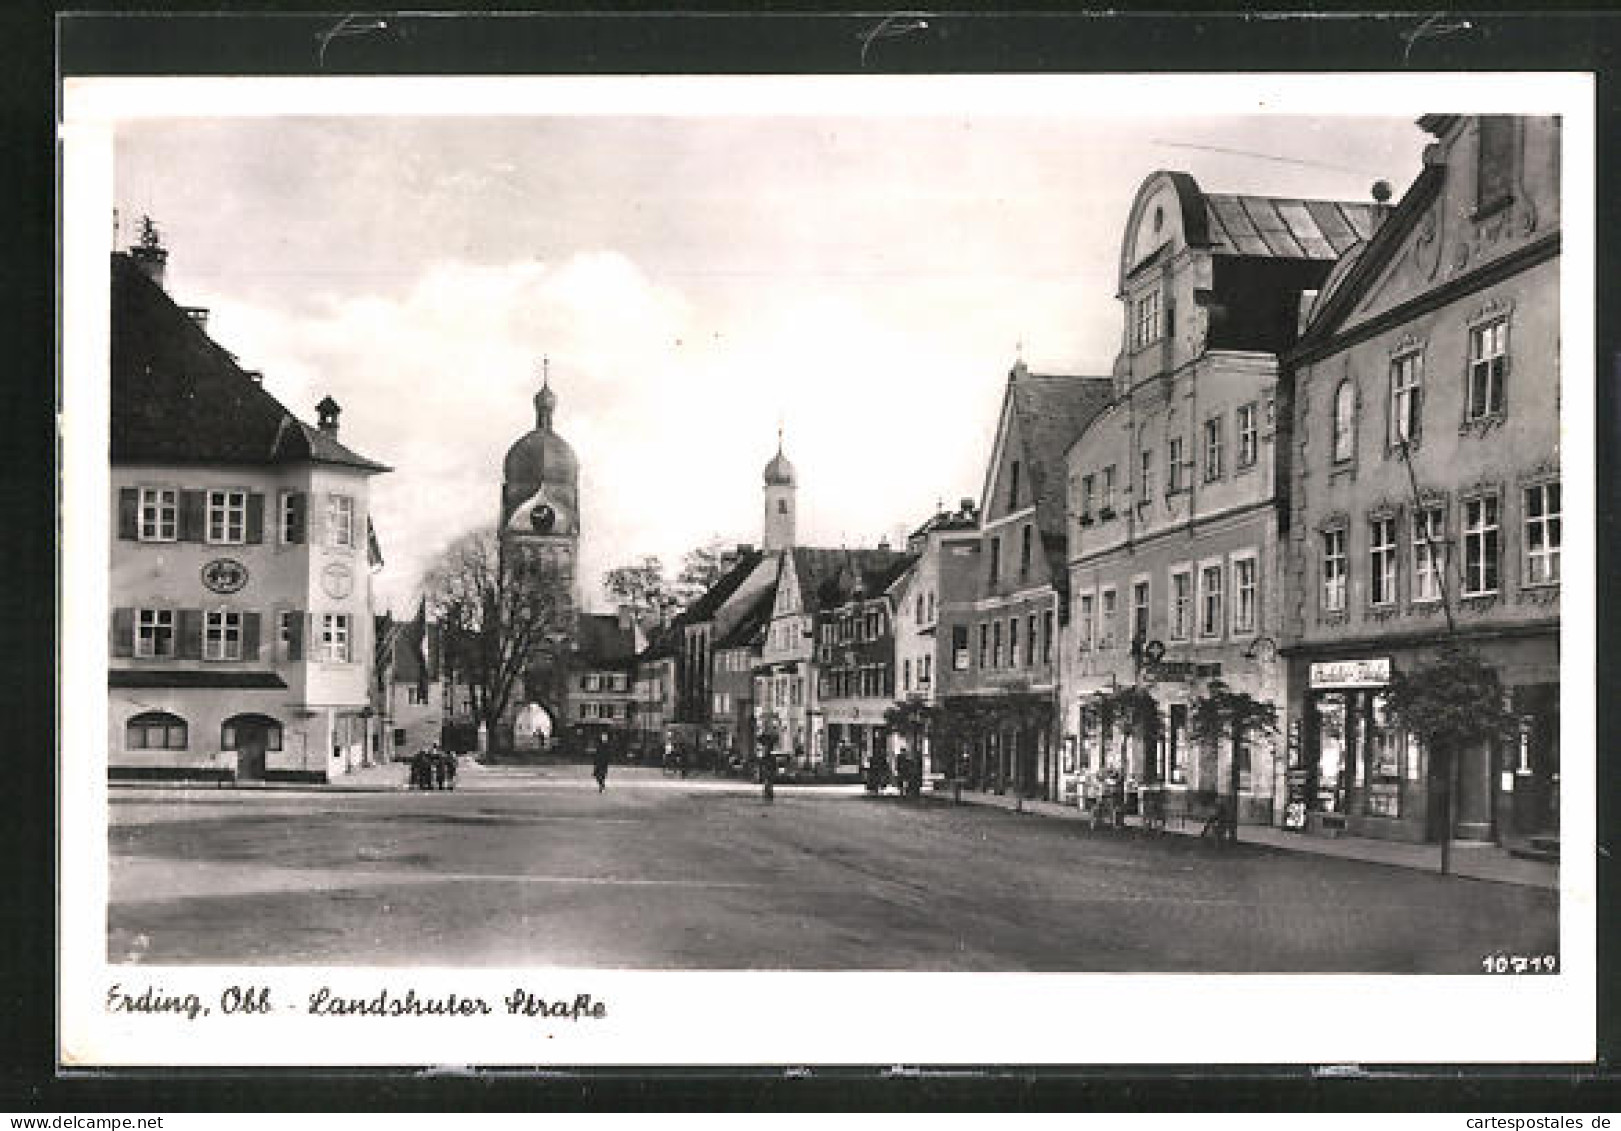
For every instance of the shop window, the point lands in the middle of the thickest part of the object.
(1384, 760)
(155, 730)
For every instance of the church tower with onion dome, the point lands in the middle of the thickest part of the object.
(539, 549)
(777, 532)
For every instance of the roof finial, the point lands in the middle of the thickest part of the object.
(779, 435)
(545, 372)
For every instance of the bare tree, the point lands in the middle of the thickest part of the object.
(498, 619)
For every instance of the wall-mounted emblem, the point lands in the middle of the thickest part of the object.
(337, 581)
(225, 575)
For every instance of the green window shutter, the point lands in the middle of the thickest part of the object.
(192, 520)
(189, 636)
(295, 634)
(123, 632)
(129, 505)
(250, 636)
(256, 518)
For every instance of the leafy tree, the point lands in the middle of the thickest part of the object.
(1238, 716)
(499, 621)
(1133, 707)
(911, 718)
(1451, 704)
(641, 586)
(700, 569)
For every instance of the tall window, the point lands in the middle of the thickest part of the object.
(1145, 476)
(1181, 604)
(222, 635)
(1145, 320)
(1210, 600)
(1406, 398)
(227, 516)
(1088, 494)
(154, 633)
(1084, 630)
(1047, 637)
(1243, 595)
(1249, 436)
(1108, 488)
(1013, 487)
(1344, 422)
(1107, 632)
(1024, 551)
(1174, 465)
(1542, 534)
(1481, 535)
(996, 644)
(1488, 362)
(906, 674)
(996, 560)
(1212, 449)
(1382, 561)
(159, 510)
(984, 645)
(1139, 611)
(340, 521)
(1030, 641)
(1013, 642)
(335, 638)
(1334, 572)
(1429, 553)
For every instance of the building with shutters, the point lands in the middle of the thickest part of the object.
(1424, 493)
(240, 627)
(600, 705)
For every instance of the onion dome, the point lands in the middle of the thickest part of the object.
(542, 456)
(779, 472)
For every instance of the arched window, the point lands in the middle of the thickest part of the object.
(155, 730)
(1344, 421)
(238, 728)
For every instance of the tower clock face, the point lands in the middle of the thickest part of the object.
(543, 518)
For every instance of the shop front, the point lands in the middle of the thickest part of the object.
(1353, 770)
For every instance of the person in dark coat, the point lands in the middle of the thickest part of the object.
(599, 763)
(419, 769)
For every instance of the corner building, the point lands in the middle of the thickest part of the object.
(241, 628)
(1173, 499)
(1425, 500)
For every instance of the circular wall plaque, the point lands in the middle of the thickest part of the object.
(338, 580)
(225, 575)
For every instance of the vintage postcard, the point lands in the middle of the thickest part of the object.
(847, 570)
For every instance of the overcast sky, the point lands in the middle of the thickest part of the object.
(694, 281)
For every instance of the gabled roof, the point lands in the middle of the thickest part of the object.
(179, 397)
(601, 642)
(707, 605)
(1052, 412)
(751, 625)
(871, 572)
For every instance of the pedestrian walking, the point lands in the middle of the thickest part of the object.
(599, 764)
(436, 762)
(451, 759)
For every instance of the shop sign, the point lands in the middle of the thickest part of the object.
(1351, 673)
(1182, 671)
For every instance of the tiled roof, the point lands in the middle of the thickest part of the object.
(178, 397)
(753, 621)
(1284, 228)
(1052, 412)
(875, 569)
(707, 605)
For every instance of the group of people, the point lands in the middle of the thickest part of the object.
(907, 775)
(433, 767)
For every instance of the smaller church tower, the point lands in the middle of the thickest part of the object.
(778, 529)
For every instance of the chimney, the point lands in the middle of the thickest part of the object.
(326, 415)
(149, 254)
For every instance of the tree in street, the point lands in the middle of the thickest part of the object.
(498, 620)
(1238, 717)
(1451, 704)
